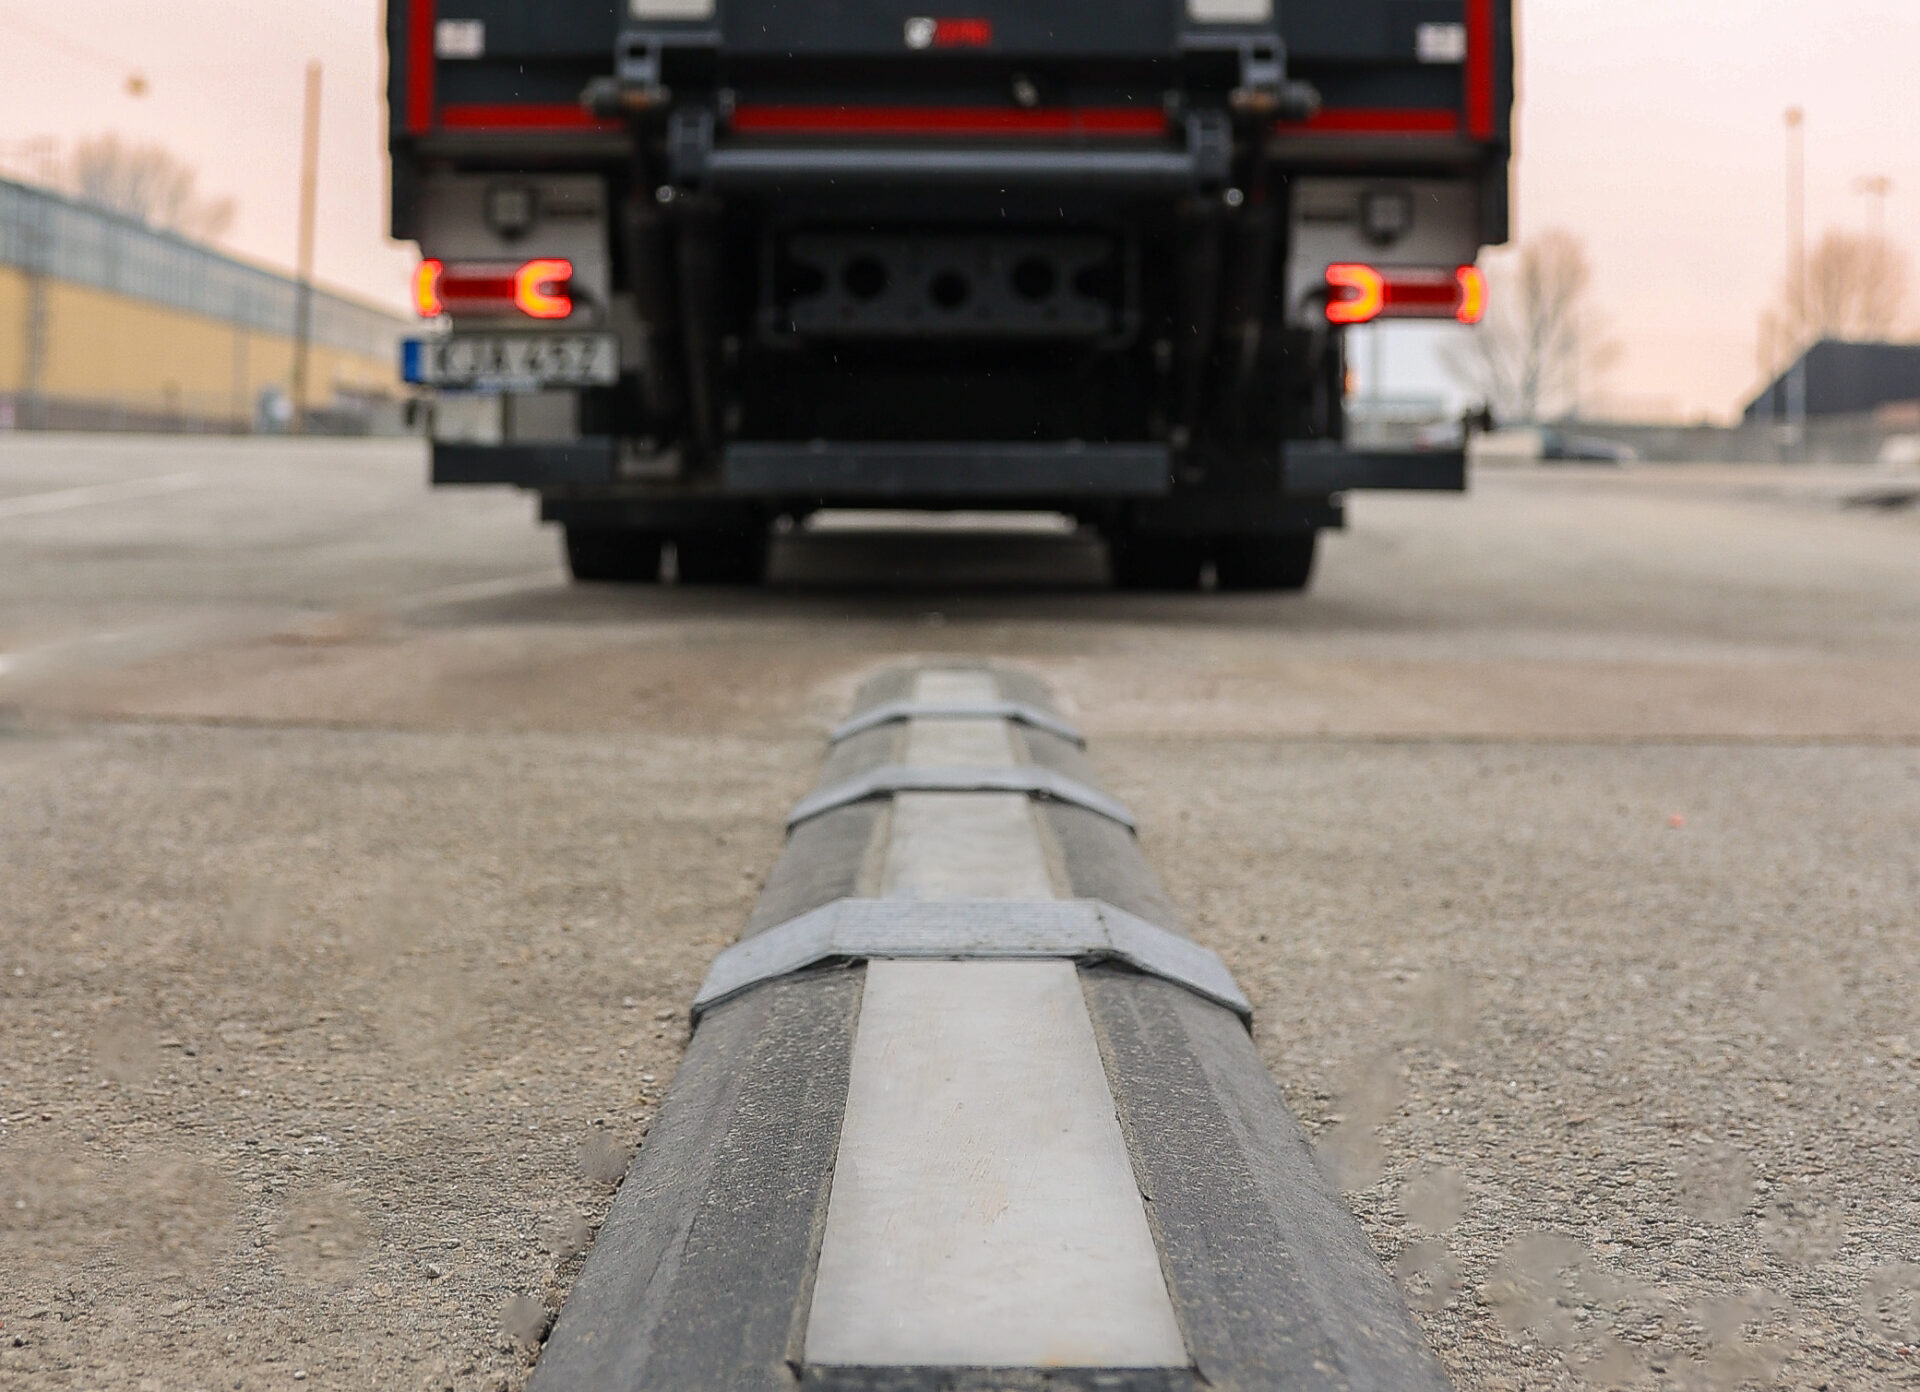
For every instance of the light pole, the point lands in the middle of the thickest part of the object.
(1797, 215)
(1796, 383)
(303, 294)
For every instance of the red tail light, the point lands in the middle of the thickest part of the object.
(426, 290)
(1473, 295)
(1359, 294)
(538, 289)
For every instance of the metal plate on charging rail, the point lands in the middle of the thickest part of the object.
(1019, 712)
(889, 779)
(987, 929)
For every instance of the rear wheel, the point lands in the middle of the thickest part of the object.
(723, 558)
(1271, 562)
(617, 555)
(1155, 561)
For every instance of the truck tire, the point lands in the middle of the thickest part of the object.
(1273, 562)
(723, 558)
(617, 555)
(1155, 561)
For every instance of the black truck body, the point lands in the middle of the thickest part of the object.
(697, 265)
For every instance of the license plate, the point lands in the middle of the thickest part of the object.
(513, 360)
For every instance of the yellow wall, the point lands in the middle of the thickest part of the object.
(102, 347)
(13, 329)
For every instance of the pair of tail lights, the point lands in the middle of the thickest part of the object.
(540, 289)
(1359, 294)
(1356, 294)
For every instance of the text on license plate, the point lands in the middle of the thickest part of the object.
(508, 360)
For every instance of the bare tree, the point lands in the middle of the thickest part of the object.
(35, 159)
(147, 182)
(1542, 342)
(1856, 287)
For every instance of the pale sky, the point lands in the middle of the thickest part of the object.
(1651, 127)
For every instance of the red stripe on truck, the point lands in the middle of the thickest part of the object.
(947, 120)
(1480, 55)
(420, 73)
(513, 116)
(1367, 120)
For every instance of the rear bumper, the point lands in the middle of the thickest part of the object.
(988, 474)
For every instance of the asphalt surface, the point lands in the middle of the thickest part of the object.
(357, 872)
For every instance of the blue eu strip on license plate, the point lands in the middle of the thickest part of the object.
(412, 361)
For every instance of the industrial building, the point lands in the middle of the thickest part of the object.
(107, 324)
(1837, 378)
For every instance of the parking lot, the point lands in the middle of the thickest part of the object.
(359, 869)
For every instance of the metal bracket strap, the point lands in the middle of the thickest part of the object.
(987, 929)
(889, 779)
(893, 712)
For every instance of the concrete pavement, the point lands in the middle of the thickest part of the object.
(359, 871)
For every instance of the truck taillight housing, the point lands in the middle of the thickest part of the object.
(541, 289)
(1358, 294)
(1473, 295)
(426, 290)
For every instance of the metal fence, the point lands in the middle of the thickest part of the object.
(46, 234)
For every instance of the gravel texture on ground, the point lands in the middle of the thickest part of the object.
(1616, 1053)
(357, 873)
(321, 1052)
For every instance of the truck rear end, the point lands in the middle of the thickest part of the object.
(694, 266)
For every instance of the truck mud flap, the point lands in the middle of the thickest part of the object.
(837, 472)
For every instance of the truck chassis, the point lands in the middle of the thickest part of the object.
(719, 262)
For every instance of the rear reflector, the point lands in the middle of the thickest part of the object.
(538, 289)
(1358, 294)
